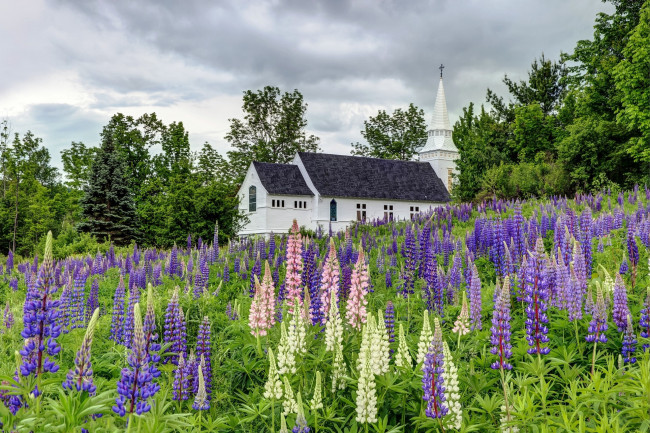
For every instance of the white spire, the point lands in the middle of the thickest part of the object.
(439, 133)
(440, 119)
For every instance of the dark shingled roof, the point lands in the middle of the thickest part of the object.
(361, 177)
(283, 179)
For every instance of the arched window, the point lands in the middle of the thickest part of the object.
(252, 199)
(333, 210)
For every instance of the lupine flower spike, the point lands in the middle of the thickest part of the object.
(461, 325)
(629, 342)
(432, 379)
(301, 421)
(366, 393)
(403, 358)
(452, 390)
(201, 401)
(289, 403)
(81, 377)
(317, 399)
(425, 338)
(273, 386)
(598, 325)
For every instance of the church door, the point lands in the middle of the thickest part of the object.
(333, 210)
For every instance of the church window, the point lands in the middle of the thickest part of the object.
(282, 203)
(414, 211)
(304, 205)
(449, 178)
(361, 211)
(333, 210)
(252, 199)
(295, 204)
(388, 212)
(272, 203)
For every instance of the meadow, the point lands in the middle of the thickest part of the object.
(493, 317)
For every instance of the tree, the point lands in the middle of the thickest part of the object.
(273, 129)
(633, 81)
(212, 167)
(107, 206)
(76, 164)
(396, 136)
(133, 138)
(482, 143)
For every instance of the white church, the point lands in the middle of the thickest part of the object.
(319, 189)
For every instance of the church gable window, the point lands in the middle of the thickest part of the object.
(414, 211)
(252, 199)
(333, 210)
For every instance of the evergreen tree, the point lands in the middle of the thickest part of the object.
(108, 207)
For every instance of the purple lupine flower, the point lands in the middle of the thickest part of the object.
(226, 273)
(644, 322)
(598, 324)
(432, 380)
(117, 321)
(410, 262)
(92, 303)
(77, 300)
(81, 377)
(622, 270)
(174, 329)
(389, 320)
(134, 299)
(181, 383)
(389, 279)
(620, 310)
(476, 308)
(585, 238)
(150, 337)
(500, 338)
(204, 351)
(536, 298)
(8, 317)
(135, 385)
(201, 400)
(574, 298)
(13, 283)
(256, 271)
(632, 252)
(629, 342)
(40, 315)
(10, 262)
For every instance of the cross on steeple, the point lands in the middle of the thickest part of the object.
(441, 68)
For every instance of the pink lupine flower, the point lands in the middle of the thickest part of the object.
(294, 267)
(262, 312)
(356, 307)
(329, 281)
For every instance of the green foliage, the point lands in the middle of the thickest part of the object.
(77, 161)
(107, 206)
(396, 136)
(633, 81)
(273, 129)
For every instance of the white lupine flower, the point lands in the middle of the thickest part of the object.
(289, 403)
(334, 326)
(366, 393)
(286, 355)
(452, 390)
(298, 329)
(338, 369)
(461, 325)
(367, 334)
(283, 424)
(426, 336)
(380, 345)
(273, 385)
(317, 400)
(403, 357)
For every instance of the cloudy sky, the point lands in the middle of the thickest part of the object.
(67, 66)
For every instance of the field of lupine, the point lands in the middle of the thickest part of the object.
(529, 317)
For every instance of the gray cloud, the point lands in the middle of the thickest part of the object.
(348, 58)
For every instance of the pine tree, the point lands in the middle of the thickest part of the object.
(108, 207)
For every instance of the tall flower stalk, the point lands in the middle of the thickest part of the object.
(40, 315)
(80, 377)
(294, 268)
(536, 297)
(597, 326)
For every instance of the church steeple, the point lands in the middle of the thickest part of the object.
(439, 132)
(439, 149)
